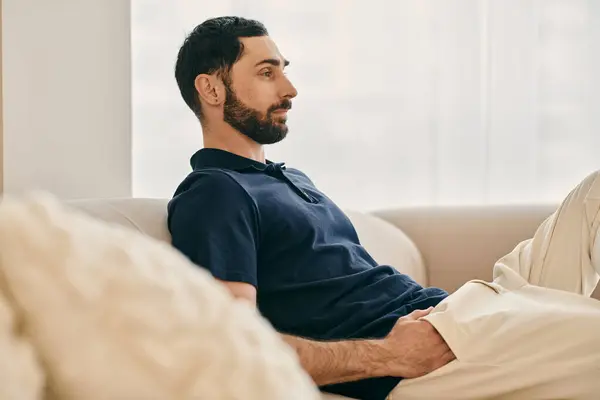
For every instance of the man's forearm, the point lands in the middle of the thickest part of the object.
(336, 361)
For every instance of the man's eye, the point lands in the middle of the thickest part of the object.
(267, 73)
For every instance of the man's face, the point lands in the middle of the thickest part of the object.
(258, 92)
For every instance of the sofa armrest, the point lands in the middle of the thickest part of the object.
(463, 243)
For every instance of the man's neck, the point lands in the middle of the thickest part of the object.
(228, 139)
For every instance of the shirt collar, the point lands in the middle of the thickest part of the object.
(217, 158)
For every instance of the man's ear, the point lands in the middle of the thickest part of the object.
(210, 89)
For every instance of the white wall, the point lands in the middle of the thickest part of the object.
(67, 97)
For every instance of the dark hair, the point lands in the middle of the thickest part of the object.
(213, 46)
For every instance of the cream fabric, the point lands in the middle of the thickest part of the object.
(114, 314)
(532, 333)
(21, 376)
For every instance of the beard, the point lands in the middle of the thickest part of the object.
(263, 128)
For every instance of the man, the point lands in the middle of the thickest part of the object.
(362, 329)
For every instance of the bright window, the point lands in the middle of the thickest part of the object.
(400, 102)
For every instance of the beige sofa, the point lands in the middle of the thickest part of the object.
(442, 247)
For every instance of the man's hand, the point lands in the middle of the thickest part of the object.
(412, 348)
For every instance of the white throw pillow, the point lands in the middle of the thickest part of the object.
(389, 245)
(114, 314)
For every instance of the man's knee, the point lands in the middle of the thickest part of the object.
(584, 197)
(593, 180)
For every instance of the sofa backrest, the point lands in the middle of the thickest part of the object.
(386, 243)
(148, 216)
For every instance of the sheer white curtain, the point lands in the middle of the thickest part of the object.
(413, 102)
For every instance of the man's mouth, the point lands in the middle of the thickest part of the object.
(283, 108)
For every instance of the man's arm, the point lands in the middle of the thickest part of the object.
(413, 348)
(336, 361)
(326, 362)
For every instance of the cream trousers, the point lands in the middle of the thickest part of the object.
(534, 332)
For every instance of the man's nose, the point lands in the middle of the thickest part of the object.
(289, 91)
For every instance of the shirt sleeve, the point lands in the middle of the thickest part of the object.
(215, 224)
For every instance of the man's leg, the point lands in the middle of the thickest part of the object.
(514, 338)
(564, 253)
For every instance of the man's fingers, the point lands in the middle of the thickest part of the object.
(418, 313)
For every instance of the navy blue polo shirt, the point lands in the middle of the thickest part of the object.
(269, 226)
